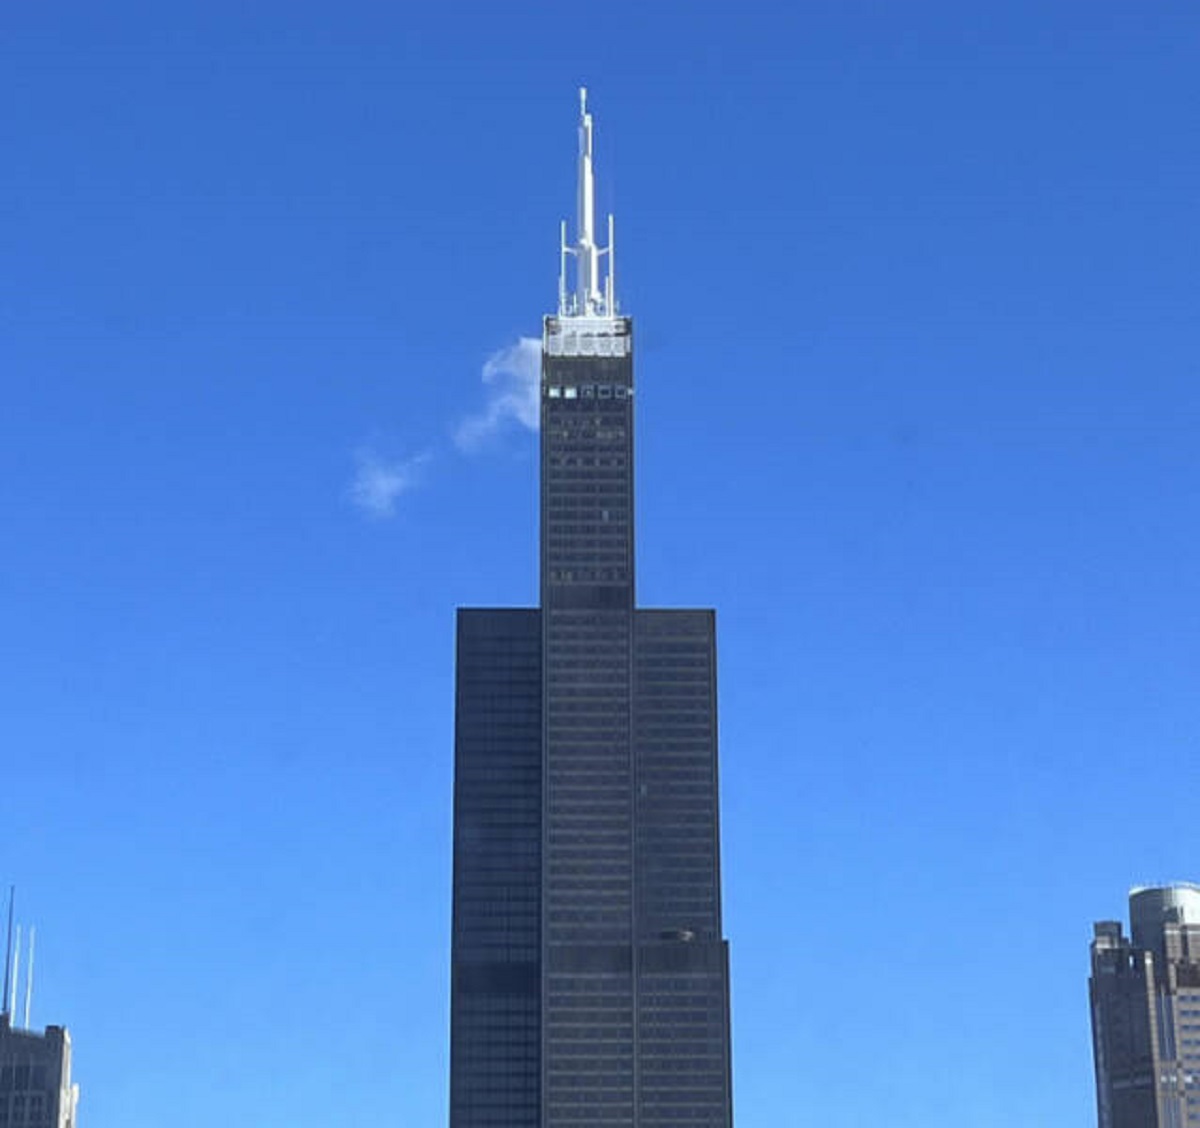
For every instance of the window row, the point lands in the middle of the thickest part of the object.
(587, 391)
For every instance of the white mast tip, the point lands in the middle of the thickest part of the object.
(589, 299)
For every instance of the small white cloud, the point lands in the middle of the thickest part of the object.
(379, 482)
(513, 376)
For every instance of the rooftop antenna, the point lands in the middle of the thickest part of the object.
(588, 300)
(29, 976)
(8, 953)
(16, 974)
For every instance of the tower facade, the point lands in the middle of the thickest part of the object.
(1145, 1001)
(36, 1090)
(590, 982)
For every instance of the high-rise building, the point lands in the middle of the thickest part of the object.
(1145, 996)
(590, 981)
(36, 1090)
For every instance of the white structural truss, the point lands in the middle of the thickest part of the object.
(588, 298)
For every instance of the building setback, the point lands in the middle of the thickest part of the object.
(1145, 998)
(590, 982)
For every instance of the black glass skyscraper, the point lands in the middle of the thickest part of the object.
(590, 982)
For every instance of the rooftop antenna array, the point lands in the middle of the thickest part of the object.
(588, 300)
(12, 968)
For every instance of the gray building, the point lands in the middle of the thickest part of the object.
(36, 1090)
(590, 982)
(1145, 999)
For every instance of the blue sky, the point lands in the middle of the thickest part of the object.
(915, 292)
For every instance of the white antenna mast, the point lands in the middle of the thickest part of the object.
(29, 976)
(587, 287)
(588, 300)
(16, 974)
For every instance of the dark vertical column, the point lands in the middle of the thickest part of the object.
(1122, 991)
(682, 986)
(495, 959)
(587, 621)
(679, 888)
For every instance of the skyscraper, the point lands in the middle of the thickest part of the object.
(590, 981)
(1145, 996)
(36, 1090)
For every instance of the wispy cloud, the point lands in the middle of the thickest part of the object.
(512, 377)
(380, 482)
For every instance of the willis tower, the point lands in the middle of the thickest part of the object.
(589, 977)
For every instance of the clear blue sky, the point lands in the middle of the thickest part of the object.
(916, 296)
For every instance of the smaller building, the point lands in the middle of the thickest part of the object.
(1145, 996)
(36, 1090)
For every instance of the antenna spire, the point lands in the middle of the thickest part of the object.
(588, 300)
(29, 976)
(8, 954)
(16, 975)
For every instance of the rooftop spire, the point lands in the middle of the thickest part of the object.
(8, 953)
(588, 300)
